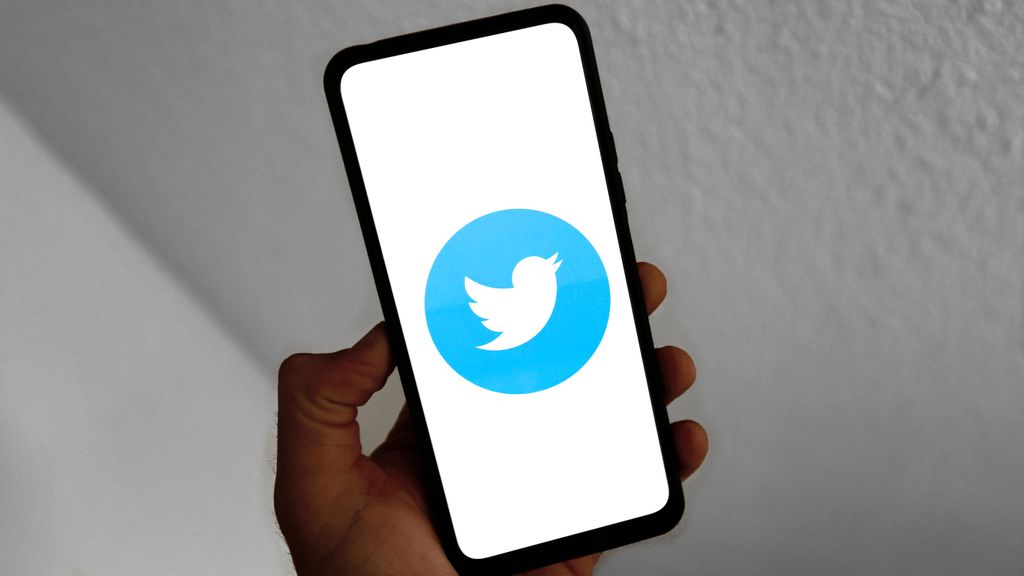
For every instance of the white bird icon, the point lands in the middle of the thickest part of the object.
(519, 313)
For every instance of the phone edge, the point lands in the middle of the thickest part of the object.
(575, 545)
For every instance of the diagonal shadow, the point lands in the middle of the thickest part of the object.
(206, 134)
(203, 127)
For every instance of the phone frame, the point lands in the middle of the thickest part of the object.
(575, 545)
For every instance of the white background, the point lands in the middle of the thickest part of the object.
(832, 188)
(445, 136)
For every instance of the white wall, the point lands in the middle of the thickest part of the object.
(835, 190)
(136, 436)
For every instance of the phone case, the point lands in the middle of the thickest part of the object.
(578, 544)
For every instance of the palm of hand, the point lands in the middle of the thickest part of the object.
(343, 512)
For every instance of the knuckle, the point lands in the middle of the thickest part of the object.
(341, 378)
(350, 364)
(292, 368)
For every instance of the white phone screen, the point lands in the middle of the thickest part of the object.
(480, 160)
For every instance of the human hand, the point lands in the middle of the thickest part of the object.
(343, 512)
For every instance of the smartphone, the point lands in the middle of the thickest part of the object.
(485, 179)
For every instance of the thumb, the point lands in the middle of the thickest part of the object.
(318, 445)
(320, 393)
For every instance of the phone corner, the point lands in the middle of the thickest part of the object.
(563, 13)
(669, 516)
(568, 17)
(337, 66)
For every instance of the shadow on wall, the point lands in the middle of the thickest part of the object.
(204, 127)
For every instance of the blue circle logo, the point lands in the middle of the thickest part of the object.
(517, 301)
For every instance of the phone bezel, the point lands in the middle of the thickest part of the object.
(575, 545)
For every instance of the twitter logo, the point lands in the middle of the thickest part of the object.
(517, 301)
(519, 312)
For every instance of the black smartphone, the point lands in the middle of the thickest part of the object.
(486, 183)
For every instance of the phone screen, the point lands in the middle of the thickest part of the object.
(482, 168)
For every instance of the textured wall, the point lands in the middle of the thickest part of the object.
(835, 190)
